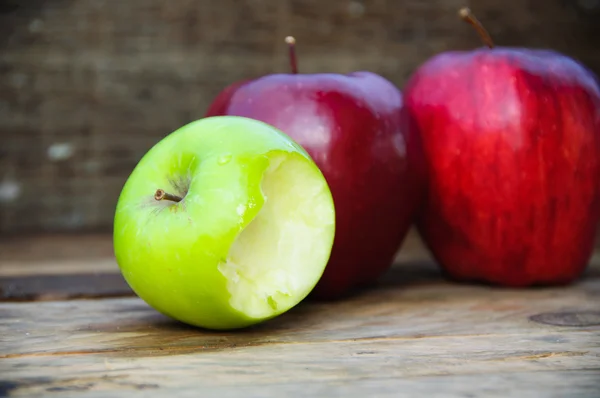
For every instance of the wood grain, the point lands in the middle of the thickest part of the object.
(397, 309)
(449, 367)
(128, 327)
(63, 287)
(411, 334)
(400, 339)
(63, 267)
(59, 267)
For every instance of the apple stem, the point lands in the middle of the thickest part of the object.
(291, 42)
(466, 14)
(162, 195)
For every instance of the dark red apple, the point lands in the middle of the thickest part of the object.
(350, 125)
(511, 138)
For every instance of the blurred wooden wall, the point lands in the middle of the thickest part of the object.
(86, 87)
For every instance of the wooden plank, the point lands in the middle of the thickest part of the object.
(420, 339)
(129, 327)
(43, 254)
(448, 367)
(395, 309)
(63, 287)
(59, 267)
(68, 254)
(545, 384)
(412, 334)
(10, 269)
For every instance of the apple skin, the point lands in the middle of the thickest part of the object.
(350, 126)
(512, 142)
(176, 255)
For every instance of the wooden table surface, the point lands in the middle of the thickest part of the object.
(70, 327)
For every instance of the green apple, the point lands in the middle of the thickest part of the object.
(224, 223)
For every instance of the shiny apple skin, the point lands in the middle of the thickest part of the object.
(350, 126)
(512, 143)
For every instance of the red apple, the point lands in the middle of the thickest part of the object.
(512, 142)
(350, 126)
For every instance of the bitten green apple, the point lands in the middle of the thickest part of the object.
(224, 223)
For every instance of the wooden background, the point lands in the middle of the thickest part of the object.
(86, 87)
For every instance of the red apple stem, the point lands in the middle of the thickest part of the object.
(291, 42)
(466, 14)
(162, 195)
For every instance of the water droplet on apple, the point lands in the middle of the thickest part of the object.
(241, 209)
(224, 158)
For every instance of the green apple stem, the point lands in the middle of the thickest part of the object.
(291, 41)
(162, 195)
(466, 14)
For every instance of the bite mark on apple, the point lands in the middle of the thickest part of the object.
(274, 259)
